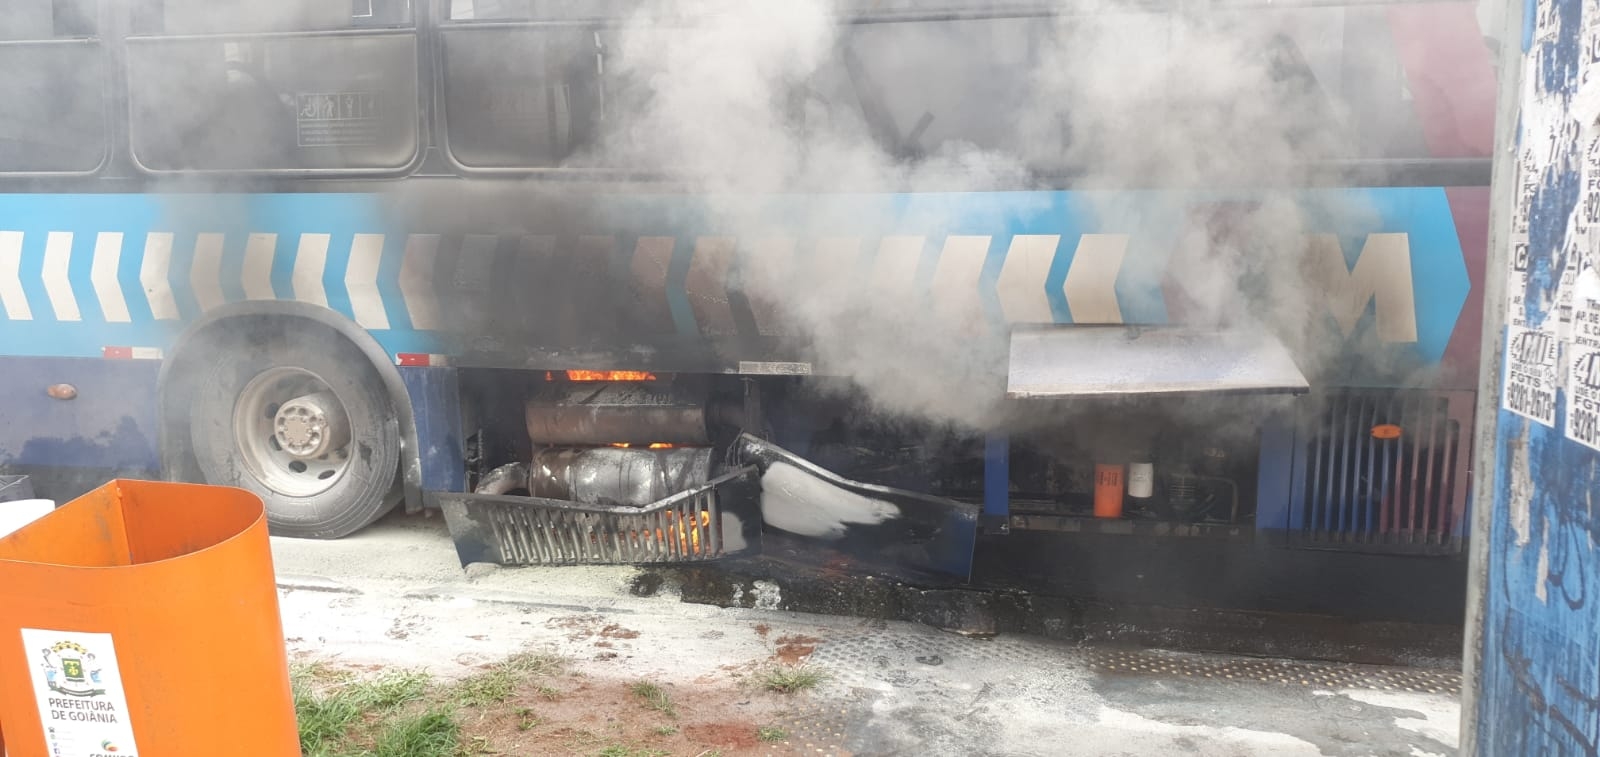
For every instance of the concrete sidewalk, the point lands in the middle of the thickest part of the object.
(395, 596)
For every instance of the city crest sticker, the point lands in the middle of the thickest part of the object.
(79, 694)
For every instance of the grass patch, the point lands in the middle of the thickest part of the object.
(535, 664)
(319, 673)
(788, 680)
(329, 705)
(527, 720)
(486, 688)
(655, 697)
(432, 733)
(402, 714)
(666, 730)
(771, 733)
(325, 717)
(619, 750)
(393, 690)
(499, 682)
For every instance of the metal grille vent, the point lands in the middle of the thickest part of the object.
(704, 523)
(690, 529)
(1385, 470)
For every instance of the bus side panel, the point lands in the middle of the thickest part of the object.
(436, 406)
(69, 446)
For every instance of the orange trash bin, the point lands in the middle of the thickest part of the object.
(141, 619)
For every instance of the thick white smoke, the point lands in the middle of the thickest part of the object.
(727, 95)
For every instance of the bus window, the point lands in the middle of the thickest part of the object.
(244, 16)
(1327, 96)
(536, 10)
(53, 88)
(1320, 84)
(521, 97)
(327, 96)
(47, 19)
(917, 86)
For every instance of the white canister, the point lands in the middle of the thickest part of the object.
(1141, 480)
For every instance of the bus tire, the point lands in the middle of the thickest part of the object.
(300, 417)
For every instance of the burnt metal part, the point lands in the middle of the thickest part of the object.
(504, 479)
(610, 475)
(1115, 361)
(617, 412)
(894, 529)
(716, 520)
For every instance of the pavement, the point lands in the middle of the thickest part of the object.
(395, 596)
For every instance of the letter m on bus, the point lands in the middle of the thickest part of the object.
(1380, 276)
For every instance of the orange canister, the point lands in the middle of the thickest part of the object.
(1108, 488)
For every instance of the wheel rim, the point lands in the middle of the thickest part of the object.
(292, 432)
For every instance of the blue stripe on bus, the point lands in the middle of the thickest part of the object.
(394, 249)
(233, 247)
(1151, 219)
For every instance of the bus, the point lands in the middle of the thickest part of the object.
(1129, 299)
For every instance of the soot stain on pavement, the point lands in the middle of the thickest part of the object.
(1334, 722)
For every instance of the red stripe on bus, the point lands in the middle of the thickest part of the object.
(1451, 76)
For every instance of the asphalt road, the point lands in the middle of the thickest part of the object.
(395, 595)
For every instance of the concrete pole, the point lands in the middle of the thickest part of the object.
(1507, 33)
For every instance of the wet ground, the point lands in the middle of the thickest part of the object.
(395, 596)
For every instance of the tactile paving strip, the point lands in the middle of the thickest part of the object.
(815, 730)
(877, 650)
(1320, 675)
(821, 728)
(857, 655)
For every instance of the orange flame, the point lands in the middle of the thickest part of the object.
(687, 534)
(652, 445)
(609, 376)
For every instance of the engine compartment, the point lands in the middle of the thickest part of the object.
(809, 461)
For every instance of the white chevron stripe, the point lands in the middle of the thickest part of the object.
(475, 270)
(955, 281)
(11, 294)
(257, 276)
(652, 256)
(103, 274)
(836, 259)
(764, 271)
(834, 266)
(361, 281)
(706, 284)
(153, 276)
(205, 276)
(1021, 287)
(57, 281)
(894, 269)
(1092, 280)
(309, 262)
(416, 281)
